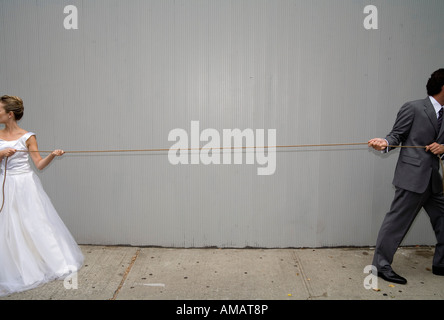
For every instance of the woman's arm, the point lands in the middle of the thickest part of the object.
(6, 153)
(40, 162)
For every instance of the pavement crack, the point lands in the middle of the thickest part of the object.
(305, 280)
(127, 271)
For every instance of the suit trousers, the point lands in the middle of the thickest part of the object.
(397, 222)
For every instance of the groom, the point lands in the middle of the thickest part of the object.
(417, 179)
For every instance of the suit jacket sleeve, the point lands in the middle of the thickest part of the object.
(402, 126)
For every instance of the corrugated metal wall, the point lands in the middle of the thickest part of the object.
(134, 70)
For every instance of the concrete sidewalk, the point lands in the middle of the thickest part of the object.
(147, 273)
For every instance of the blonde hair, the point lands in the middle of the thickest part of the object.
(14, 104)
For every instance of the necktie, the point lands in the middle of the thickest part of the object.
(440, 118)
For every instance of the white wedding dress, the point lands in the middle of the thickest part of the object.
(35, 245)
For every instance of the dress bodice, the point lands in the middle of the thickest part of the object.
(19, 162)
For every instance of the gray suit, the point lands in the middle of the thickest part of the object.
(417, 181)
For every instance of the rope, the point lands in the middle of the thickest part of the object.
(442, 170)
(3, 186)
(220, 148)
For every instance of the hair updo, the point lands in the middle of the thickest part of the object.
(14, 104)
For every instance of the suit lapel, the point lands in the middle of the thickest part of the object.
(430, 111)
(440, 132)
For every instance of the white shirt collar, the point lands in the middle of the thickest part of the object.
(435, 104)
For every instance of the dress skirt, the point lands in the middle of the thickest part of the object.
(35, 245)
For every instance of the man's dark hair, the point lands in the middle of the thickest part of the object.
(435, 83)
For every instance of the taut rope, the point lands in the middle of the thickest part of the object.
(220, 148)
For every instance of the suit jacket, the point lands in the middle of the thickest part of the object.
(416, 125)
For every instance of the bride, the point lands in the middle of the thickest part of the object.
(35, 245)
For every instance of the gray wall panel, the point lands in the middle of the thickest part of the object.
(135, 70)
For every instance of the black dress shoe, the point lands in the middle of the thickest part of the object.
(392, 276)
(439, 271)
